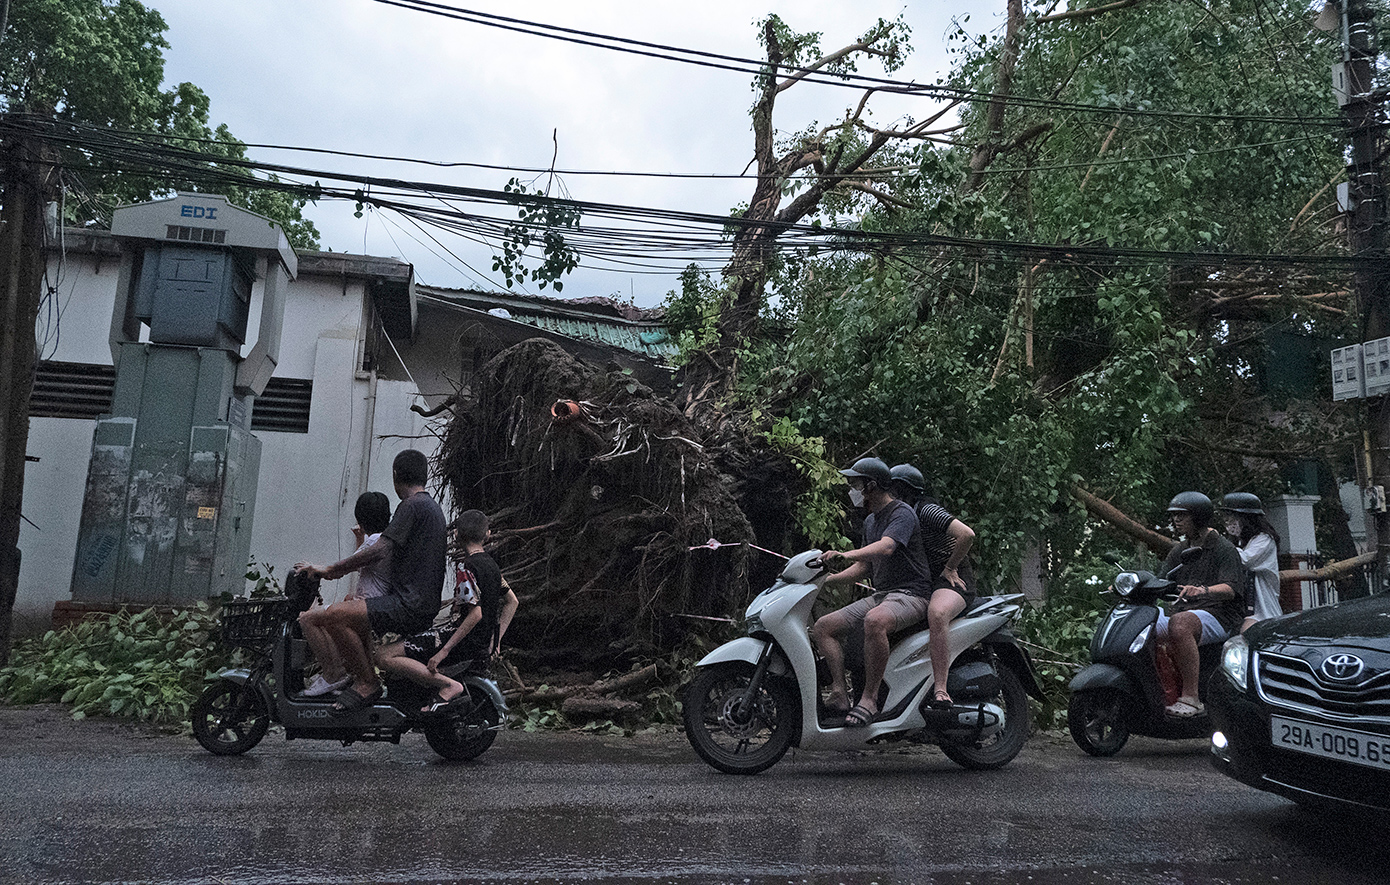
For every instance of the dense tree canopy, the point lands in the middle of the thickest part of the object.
(1093, 328)
(101, 63)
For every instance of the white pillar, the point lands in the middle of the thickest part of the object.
(1292, 518)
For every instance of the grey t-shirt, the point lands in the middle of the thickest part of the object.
(1219, 564)
(906, 569)
(418, 564)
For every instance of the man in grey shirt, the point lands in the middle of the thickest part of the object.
(894, 555)
(416, 543)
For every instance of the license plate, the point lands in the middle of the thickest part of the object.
(1356, 747)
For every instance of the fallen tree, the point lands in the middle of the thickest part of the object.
(597, 490)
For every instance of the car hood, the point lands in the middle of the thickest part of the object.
(1364, 622)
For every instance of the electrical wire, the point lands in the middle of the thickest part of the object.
(666, 237)
(759, 67)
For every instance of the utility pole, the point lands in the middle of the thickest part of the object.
(1366, 192)
(25, 178)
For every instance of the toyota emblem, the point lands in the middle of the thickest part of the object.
(1342, 667)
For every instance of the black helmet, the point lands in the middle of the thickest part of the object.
(1196, 504)
(1242, 502)
(909, 476)
(870, 468)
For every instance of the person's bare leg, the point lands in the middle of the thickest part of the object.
(945, 605)
(1184, 629)
(877, 625)
(346, 623)
(826, 633)
(321, 644)
(393, 659)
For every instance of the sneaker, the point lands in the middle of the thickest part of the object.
(318, 686)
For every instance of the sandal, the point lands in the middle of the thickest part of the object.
(1185, 708)
(438, 704)
(941, 701)
(350, 701)
(859, 716)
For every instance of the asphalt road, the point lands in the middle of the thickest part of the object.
(101, 802)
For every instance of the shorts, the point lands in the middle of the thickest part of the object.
(1212, 631)
(388, 614)
(426, 644)
(907, 609)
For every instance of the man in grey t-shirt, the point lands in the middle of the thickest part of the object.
(894, 555)
(415, 540)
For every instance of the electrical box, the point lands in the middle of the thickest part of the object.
(1341, 88)
(1346, 373)
(1375, 365)
(1373, 498)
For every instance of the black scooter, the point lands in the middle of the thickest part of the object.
(1121, 691)
(234, 713)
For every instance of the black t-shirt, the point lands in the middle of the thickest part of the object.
(1219, 564)
(906, 569)
(481, 640)
(418, 564)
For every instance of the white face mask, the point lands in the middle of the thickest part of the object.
(856, 497)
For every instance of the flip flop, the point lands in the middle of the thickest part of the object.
(859, 716)
(438, 704)
(940, 703)
(350, 701)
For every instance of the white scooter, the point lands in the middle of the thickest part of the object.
(754, 697)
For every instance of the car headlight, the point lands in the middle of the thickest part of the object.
(1141, 640)
(1235, 660)
(1125, 582)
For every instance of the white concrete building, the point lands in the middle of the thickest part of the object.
(361, 345)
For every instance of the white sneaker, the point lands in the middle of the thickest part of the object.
(318, 686)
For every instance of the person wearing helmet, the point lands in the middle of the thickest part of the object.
(1258, 544)
(893, 554)
(947, 541)
(1209, 607)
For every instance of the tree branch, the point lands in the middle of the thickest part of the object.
(1085, 13)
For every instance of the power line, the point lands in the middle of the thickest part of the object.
(758, 67)
(670, 236)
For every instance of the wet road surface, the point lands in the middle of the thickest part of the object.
(103, 803)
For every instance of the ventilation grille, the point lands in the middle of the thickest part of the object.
(84, 391)
(72, 390)
(284, 407)
(195, 234)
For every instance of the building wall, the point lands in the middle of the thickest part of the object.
(308, 482)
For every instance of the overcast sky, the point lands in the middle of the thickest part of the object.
(362, 76)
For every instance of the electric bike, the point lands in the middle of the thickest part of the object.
(754, 697)
(237, 709)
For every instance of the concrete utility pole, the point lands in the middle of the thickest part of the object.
(25, 181)
(1366, 192)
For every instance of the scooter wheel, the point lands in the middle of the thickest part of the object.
(1097, 721)
(468, 734)
(1001, 749)
(230, 718)
(731, 736)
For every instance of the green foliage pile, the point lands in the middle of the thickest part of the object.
(144, 665)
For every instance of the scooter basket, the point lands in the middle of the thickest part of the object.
(253, 621)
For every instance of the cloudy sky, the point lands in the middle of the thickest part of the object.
(367, 77)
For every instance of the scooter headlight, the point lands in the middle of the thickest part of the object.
(1125, 583)
(1141, 640)
(753, 623)
(1235, 660)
